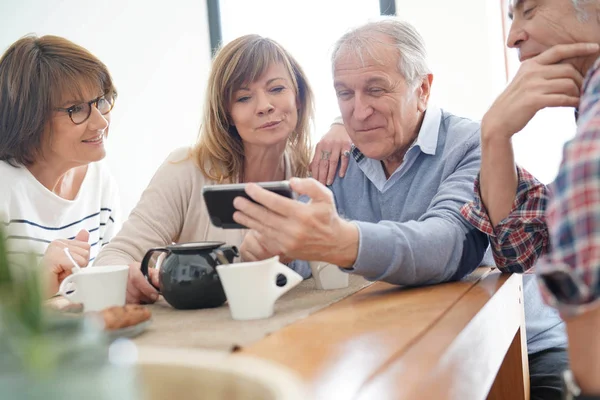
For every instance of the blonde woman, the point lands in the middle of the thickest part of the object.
(257, 115)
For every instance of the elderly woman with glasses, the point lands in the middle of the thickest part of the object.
(55, 103)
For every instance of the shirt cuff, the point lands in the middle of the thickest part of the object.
(564, 289)
(375, 251)
(519, 239)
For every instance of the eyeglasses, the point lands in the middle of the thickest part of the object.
(80, 113)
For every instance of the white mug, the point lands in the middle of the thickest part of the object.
(96, 287)
(251, 287)
(328, 276)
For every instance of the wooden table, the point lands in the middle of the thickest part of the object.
(461, 340)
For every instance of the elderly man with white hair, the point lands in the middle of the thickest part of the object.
(557, 41)
(411, 169)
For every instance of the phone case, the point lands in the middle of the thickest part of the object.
(219, 200)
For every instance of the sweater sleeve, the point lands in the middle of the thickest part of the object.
(158, 217)
(438, 247)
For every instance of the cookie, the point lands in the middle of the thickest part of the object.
(119, 317)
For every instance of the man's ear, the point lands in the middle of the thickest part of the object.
(424, 91)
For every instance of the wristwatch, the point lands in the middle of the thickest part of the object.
(571, 390)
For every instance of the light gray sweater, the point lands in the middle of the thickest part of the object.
(411, 229)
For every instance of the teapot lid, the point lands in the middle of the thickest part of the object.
(194, 247)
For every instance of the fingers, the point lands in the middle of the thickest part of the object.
(82, 261)
(323, 171)
(344, 162)
(82, 236)
(77, 250)
(253, 254)
(563, 86)
(334, 158)
(327, 154)
(134, 296)
(253, 248)
(269, 246)
(561, 100)
(312, 189)
(252, 213)
(247, 249)
(564, 52)
(153, 274)
(272, 201)
(259, 225)
(248, 255)
(563, 71)
(80, 253)
(71, 244)
(314, 164)
(56, 259)
(138, 288)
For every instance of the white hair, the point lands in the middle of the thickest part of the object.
(412, 61)
(582, 14)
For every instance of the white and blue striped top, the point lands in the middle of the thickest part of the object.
(32, 216)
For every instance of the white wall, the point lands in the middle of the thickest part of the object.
(158, 53)
(465, 49)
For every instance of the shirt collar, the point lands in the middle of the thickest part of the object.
(428, 134)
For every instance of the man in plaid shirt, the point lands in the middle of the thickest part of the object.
(557, 44)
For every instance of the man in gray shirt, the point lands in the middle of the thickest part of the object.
(411, 169)
(395, 215)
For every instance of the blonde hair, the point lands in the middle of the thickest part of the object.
(219, 151)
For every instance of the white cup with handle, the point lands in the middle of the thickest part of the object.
(96, 287)
(251, 287)
(328, 276)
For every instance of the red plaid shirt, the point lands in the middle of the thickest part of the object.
(569, 270)
(522, 237)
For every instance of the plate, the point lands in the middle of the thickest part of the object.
(130, 331)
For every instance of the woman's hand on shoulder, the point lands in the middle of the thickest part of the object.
(333, 149)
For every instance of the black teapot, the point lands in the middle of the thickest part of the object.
(188, 278)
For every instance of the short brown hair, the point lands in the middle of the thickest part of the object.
(219, 152)
(35, 74)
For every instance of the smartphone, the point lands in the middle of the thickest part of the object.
(219, 200)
